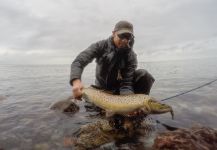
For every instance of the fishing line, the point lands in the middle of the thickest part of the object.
(189, 90)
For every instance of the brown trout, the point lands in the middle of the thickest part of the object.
(125, 104)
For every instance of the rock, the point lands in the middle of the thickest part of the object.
(92, 135)
(101, 132)
(67, 106)
(195, 138)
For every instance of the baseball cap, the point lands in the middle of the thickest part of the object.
(124, 27)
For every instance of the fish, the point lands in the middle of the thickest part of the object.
(125, 104)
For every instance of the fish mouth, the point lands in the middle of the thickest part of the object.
(168, 109)
(159, 108)
(161, 111)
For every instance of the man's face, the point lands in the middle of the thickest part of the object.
(122, 40)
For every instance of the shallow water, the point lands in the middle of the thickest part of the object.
(27, 91)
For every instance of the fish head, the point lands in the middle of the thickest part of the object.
(156, 107)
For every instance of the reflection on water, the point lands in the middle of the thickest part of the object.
(26, 92)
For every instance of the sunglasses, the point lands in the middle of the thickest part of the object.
(126, 36)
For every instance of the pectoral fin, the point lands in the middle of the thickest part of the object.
(109, 113)
(145, 110)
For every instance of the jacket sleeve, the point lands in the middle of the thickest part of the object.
(128, 75)
(83, 59)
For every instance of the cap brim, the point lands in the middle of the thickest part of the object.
(124, 31)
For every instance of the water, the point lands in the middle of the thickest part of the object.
(27, 91)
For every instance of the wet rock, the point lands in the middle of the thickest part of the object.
(66, 106)
(93, 135)
(195, 138)
(102, 132)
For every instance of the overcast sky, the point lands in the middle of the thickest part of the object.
(55, 31)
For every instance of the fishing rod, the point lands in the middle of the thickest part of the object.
(189, 90)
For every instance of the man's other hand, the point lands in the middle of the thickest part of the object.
(77, 89)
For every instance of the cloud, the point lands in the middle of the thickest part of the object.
(62, 29)
(186, 50)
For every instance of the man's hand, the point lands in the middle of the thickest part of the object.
(77, 89)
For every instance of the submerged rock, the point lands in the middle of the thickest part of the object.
(98, 133)
(93, 135)
(66, 106)
(195, 138)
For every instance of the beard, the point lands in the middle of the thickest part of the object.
(125, 45)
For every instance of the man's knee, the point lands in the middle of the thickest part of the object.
(143, 74)
(143, 81)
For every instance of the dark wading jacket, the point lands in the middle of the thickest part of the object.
(110, 60)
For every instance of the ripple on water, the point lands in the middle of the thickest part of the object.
(26, 93)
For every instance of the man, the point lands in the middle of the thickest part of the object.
(116, 64)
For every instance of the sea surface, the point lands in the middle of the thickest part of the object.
(28, 91)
